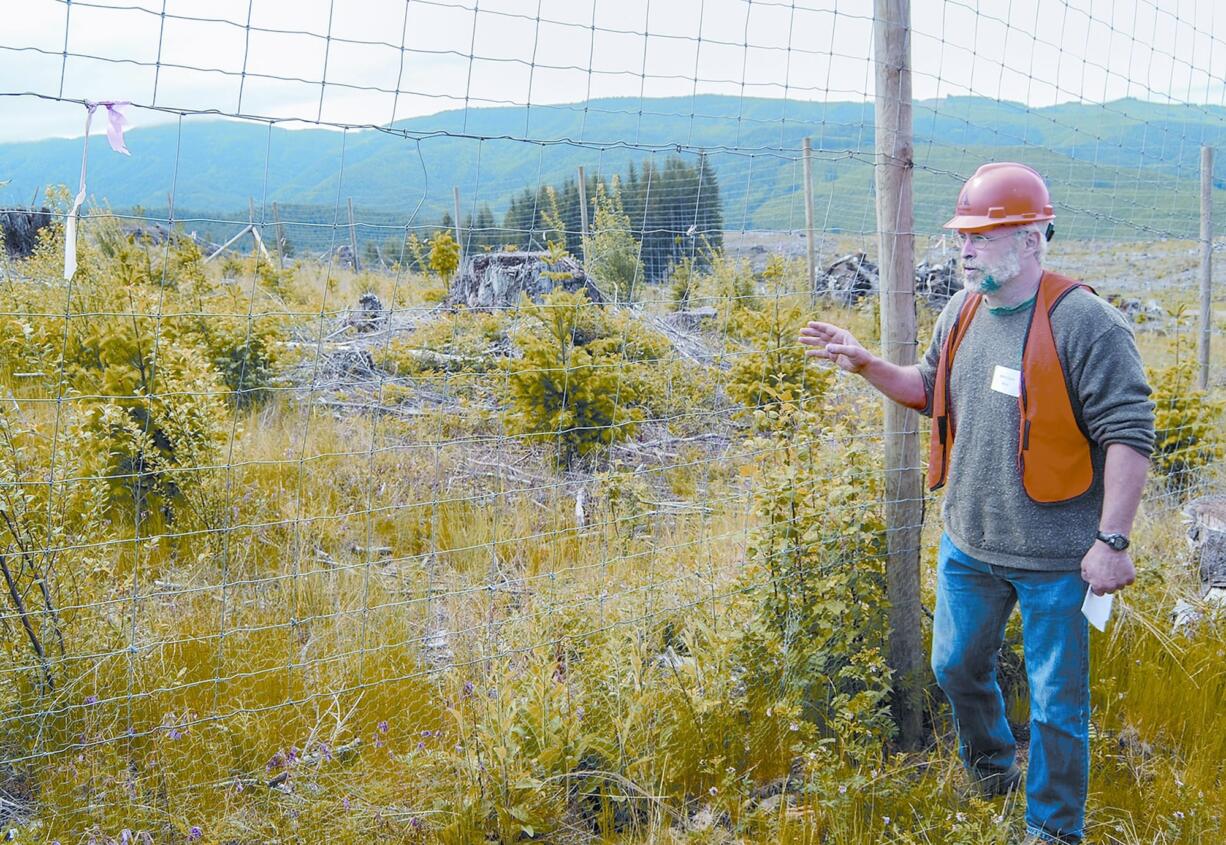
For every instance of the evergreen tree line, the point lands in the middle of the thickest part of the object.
(674, 211)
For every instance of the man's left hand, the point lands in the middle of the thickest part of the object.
(1107, 570)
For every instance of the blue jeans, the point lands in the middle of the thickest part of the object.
(974, 600)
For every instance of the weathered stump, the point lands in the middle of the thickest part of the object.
(937, 283)
(341, 256)
(849, 279)
(1207, 535)
(369, 314)
(496, 279)
(19, 229)
(1206, 518)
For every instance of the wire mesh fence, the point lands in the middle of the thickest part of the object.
(422, 448)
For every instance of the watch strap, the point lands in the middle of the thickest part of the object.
(1119, 542)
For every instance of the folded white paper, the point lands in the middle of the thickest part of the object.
(1097, 608)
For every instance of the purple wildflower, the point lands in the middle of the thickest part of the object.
(292, 757)
(194, 833)
(427, 733)
(174, 733)
(91, 699)
(421, 746)
(468, 688)
(345, 802)
(416, 823)
(382, 726)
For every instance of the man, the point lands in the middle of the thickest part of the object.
(1041, 383)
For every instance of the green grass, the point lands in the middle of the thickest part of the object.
(291, 635)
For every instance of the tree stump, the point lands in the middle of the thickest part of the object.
(496, 279)
(369, 314)
(849, 279)
(1207, 535)
(19, 230)
(936, 283)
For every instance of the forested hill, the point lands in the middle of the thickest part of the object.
(1117, 170)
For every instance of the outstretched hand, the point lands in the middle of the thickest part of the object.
(835, 344)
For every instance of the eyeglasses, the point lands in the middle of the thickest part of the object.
(983, 240)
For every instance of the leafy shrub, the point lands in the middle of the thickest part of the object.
(582, 379)
(145, 354)
(776, 371)
(1188, 434)
(775, 277)
(684, 283)
(43, 528)
(444, 254)
(171, 426)
(819, 637)
(731, 288)
(242, 344)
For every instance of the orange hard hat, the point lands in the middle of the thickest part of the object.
(1002, 193)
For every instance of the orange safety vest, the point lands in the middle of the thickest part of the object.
(1053, 451)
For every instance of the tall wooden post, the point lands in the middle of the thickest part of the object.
(280, 230)
(583, 211)
(812, 247)
(1206, 261)
(459, 238)
(353, 239)
(904, 495)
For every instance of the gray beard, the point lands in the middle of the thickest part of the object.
(1001, 272)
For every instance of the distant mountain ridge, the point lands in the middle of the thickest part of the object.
(1117, 167)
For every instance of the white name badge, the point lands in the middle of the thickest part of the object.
(1007, 381)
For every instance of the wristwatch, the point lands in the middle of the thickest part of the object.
(1116, 541)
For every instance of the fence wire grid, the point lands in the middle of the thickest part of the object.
(291, 477)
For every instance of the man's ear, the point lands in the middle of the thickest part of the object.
(1033, 240)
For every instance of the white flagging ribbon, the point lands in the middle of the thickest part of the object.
(116, 123)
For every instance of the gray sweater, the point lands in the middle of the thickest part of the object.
(986, 511)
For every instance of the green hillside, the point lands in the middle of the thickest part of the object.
(1117, 170)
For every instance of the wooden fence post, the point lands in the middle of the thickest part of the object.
(1206, 261)
(353, 239)
(583, 212)
(459, 238)
(904, 496)
(812, 247)
(280, 230)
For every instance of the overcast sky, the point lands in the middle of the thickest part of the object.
(391, 59)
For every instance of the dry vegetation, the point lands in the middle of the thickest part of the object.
(312, 580)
